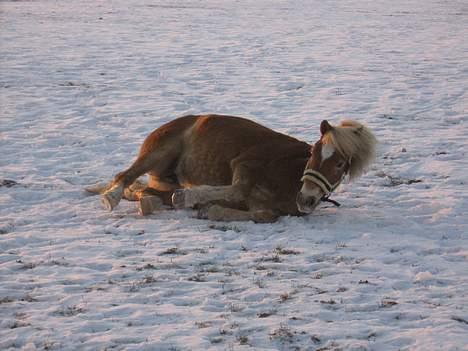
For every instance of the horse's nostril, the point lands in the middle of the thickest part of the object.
(310, 201)
(307, 201)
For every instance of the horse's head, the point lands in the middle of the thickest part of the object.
(342, 150)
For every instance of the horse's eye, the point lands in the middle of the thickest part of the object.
(340, 164)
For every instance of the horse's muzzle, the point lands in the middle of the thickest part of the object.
(306, 204)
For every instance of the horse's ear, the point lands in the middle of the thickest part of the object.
(325, 127)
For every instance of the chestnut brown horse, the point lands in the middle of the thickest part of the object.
(233, 169)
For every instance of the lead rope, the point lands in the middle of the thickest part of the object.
(326, 198)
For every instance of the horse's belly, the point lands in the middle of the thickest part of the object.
(207, 170)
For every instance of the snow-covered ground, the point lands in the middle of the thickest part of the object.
(83, 82)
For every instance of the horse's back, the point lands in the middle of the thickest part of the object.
(210, 131)
(170, 134)
(204, 146)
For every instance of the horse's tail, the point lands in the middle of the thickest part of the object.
(98, 189)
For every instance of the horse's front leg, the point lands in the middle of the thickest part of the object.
(221, 213)
(203, 194)
(243, 180)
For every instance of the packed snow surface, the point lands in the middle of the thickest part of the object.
(83, 82)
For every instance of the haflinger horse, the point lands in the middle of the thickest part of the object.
(233, 169)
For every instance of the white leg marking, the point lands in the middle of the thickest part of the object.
(203, 194)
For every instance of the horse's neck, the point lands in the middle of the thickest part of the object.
(286, 165)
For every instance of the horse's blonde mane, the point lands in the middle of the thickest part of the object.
(353, 141)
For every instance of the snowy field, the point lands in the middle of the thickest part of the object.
(83, 82)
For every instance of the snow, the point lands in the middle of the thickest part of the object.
(81, 85)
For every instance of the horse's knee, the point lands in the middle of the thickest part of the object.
(216, 213)
(264, 216)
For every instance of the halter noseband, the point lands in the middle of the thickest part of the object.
(319, 179)
(322, 182)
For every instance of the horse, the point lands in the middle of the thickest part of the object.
(234, 169)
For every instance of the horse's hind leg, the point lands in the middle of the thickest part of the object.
(129, 193)
(149, 199)
(156, 162)
(113, 195)
(158, 156)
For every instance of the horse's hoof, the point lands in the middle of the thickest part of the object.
(148, 204)
(178, 199)
(108, 202)
(202, 212)
(264, 216)
(111, 198)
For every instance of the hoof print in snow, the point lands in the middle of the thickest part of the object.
(460, 320)
(8, 183)
(391, 181)
(386, 303)
(172, 251)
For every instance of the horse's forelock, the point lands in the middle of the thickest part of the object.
(353, 141)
